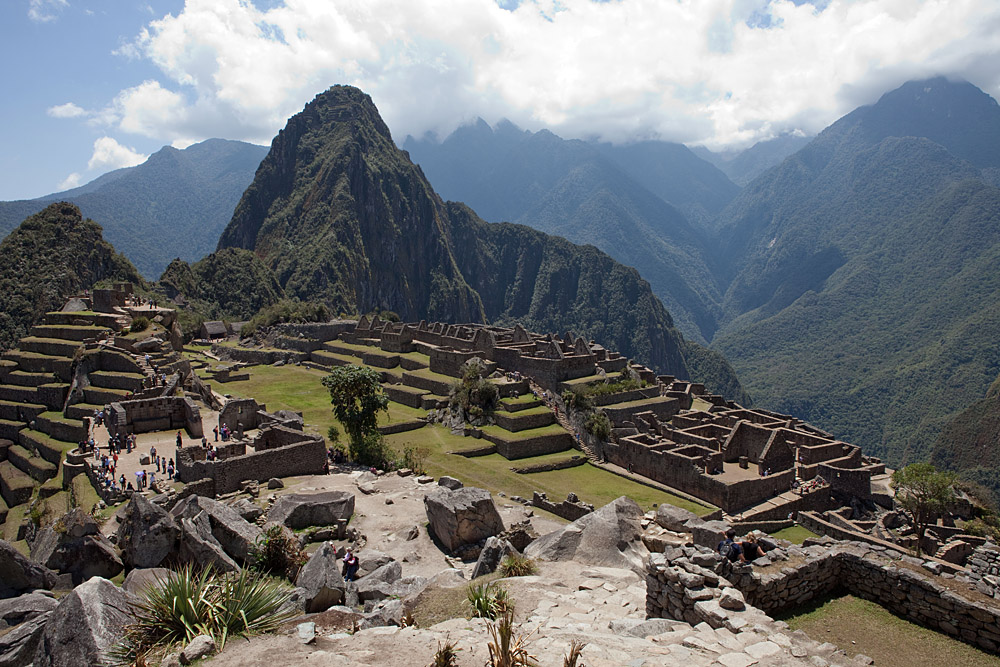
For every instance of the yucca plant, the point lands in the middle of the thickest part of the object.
(191, 602)
(446, 655)
(516, 565)
(488, 600)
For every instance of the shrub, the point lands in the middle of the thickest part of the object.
(474, 394)
(598, 425)
(516, 565)
(189, 603)
(276, 551)
(140, 323)
(488, 600)
(414, 457)
(603, 388)
(576, 399)
(333, 433)
(446, 655)
(508, 648)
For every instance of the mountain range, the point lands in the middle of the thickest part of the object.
(175, 204)
(852, 282)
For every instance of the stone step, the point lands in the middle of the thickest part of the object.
(86, 318)
(7, 366)
(52, 395)
(103, 396)
(71, 332)
(115, 380)
(34, 466)
(60, 427)
(21, 412)
(401, 393)
(81, 410)
(25, 379)
(49, 448)
(52, 346)
(15, 485)
(9, 428)
(525, 419)
(17, 394)
(35, 362)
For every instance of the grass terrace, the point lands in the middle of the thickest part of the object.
(796, 534)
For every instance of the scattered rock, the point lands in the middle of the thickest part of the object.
(236, 535)
(732, 599)
(18, 646)
(673, 518)
(14, 611)
(247, 509)
(198, 545)
(147, 534)
(460, 517)
(200, 647)
(707, 533)
(74, 546)
(322, 580)
(387, 612)
(450, 483)
(18, 574)
(300, 510)
(424, 479)
(306, 632)
(275, 483)
(493, 553)
(377, 585)
(609, 536)
(139, 580)
(84, 625)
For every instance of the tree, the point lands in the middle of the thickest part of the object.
(925, 493)
(357, 398)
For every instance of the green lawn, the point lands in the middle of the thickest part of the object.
(493, 472)
(859, 626)
(551, 429)
(796, 534)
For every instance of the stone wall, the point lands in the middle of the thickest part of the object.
(154, 414)
(320, 331)
(678, 583)
(571, 462)
(306, 457)
(526, 447)
(984, 569)
(239, 414)
(258, 357)
(570, 509)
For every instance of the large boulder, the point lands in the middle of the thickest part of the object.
(73, 545)
(17, 647)
(673, 518)
(84, 625)
(461, 516)
(300, 510)
(494, 551)
(370, 560)
(147, 534)
(322, 580)
(140, 580)
(378, 584)
(610, 536)
(233, 532)
(14, 611)
(199, 546)
(247, 509)
(18, 574)
(707, 534)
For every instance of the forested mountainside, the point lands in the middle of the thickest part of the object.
(743, 166)
(50, 256)
(853, 283)
(863, 291)
(341, 215)
(645, 204)
(175, 204)
(971, 441)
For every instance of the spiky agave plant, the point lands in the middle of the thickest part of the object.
(488, 600)
(191, 602)
(508, 647)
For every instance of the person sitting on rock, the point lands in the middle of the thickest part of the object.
(729, 548)
(351, 565)
(751, 548)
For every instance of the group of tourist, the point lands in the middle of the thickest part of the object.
(743, 552)
(222, 431)
(801, 487)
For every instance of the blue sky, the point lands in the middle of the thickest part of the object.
(95, 85)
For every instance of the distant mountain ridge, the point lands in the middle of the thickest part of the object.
(173, 205)
(341, 215)
(645, 204)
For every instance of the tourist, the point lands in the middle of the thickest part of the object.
(180, 440)
(204, 443)
(215, 430)
(729, 548)
(152, 478)
(751, 548)
(351, 565)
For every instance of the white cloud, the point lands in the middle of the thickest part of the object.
(68, 110)
(70, 182)
(712, 71)
(43, 11)
(109, 154)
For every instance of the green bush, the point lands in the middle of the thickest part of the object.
(188, 603)
(598, 425)
(286, 310)
(333, 433)
(140, 323)
(488, 600)
(603, 388)
(474, 394)
(516, 565)
(414, 458)
(576, 399)
(276, 551)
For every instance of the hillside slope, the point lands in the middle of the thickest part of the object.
(50, 256)
(645, 204)
(173, 205)
(863, 283)
(341, 215)
(971, 442)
